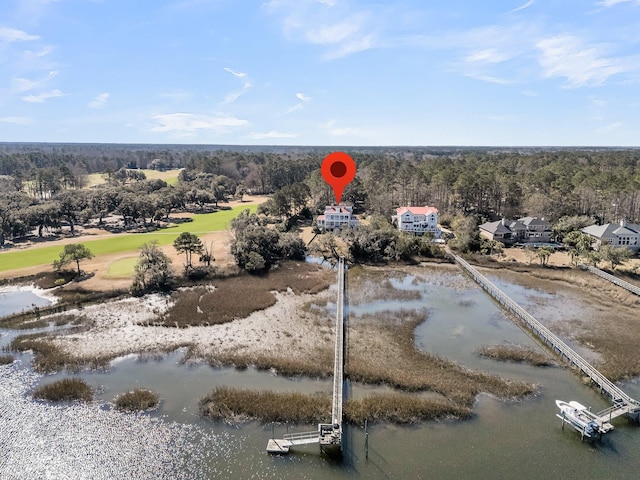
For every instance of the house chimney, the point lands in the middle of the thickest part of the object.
(504, 221)
(623, 223)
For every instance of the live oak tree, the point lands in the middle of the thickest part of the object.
(74, 252)
(153, 270)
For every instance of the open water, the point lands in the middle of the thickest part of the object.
(504, 440)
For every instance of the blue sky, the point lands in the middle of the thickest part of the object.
(321, 72)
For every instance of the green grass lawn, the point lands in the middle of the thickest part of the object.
(123, 267)
(201, 224)
(169, 176)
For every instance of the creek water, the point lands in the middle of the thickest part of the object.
(14, 301)
(503, 440)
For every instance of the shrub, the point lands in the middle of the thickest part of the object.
(6, 359)
(137, 400)
(65, 390)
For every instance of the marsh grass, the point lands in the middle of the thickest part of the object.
(238, 296)
(65, 390)
(516, 353)
(6, 359)
(382, 351)
(138, 399)
(320, 365)
(609, 323)
(49, 357)
(236, 406)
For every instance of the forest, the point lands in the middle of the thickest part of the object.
(42, 186)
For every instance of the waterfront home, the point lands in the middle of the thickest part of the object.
(417, 220)
(523, 230)
(337, 217)
(618, 235)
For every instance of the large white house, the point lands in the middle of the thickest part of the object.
(418, 220)
(618, 235)
(337, 217)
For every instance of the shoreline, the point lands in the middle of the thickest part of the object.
(300, 326)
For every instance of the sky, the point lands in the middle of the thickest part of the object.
(321, 72)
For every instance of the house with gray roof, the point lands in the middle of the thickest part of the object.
(523, 230)
(618, 235)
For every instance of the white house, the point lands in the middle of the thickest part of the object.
(337, 217)
(618, 235)
(418, 220)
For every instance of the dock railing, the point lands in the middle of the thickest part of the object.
(336, 410)
(624, 403)
(613, 279)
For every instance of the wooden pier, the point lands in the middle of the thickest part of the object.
(622, 403)
(615, 280)
(328, 435)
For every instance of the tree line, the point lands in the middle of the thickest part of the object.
(42, 189)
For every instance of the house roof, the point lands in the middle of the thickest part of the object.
(417, 210)
(611, 229)
(337, 209)
(495, 227)
(534, 221)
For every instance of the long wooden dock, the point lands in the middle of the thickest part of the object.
(611, 278)
(622, 403)
(328, 435)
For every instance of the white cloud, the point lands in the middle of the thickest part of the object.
(489, 79)
(611, 3)
(339, 28)
(19, 85)
(581, 65)
(188, 124)
(271, 134)
(16, 120)
(488, 55)
(335, 33)
(329, 125)
(304, 99)
(99, 101)
(177, 95)
(234, 73)
(13, 35)
(42, 97)
(522, 7)
(46, 50)
(246, 85)
(295, 107)
(353, 46)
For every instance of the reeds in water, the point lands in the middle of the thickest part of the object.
(65, 390)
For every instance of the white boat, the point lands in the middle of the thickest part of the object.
(579, 417)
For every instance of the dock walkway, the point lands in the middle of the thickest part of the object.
(615, 280)
(622, 403)
(328, 435)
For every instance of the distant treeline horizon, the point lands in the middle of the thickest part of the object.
(486, 182)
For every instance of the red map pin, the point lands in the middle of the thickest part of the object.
(338, 170)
